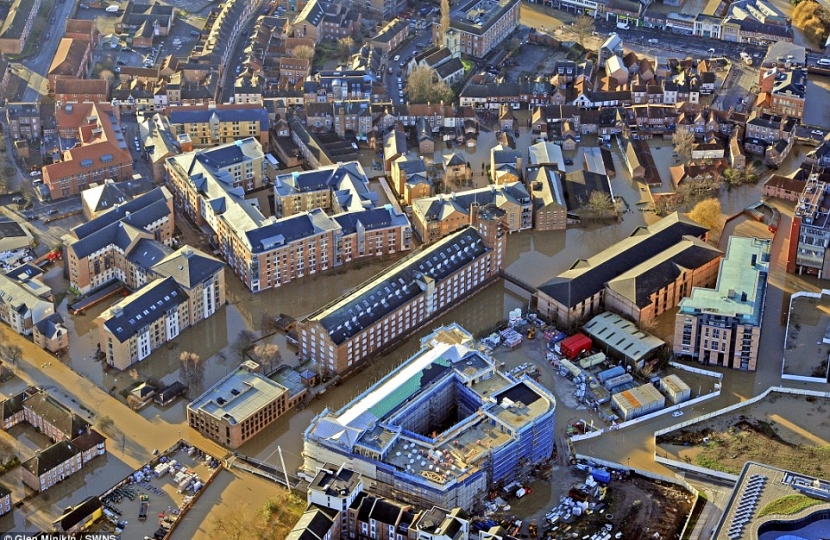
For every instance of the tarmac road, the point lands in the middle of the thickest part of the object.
(37, 67)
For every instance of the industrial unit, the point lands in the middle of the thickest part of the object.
(638, 401)
(441, 429)
(675, 389)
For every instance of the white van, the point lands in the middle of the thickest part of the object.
(623, 26)
(824, 61)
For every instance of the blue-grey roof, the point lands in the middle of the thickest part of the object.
(281, 232)
(139, 203)
(399, 284)
(180, 115)
(144, 307)
(148, 252)
(188, 266)
(375, 218)
(119, 232)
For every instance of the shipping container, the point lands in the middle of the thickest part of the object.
(591, 361)
(574, 346)
(619, 380)
(615, 371)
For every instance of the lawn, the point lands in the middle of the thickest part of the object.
(788, 505)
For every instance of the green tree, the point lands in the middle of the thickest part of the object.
(423, 87)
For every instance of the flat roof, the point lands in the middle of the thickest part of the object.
(741, 283)
(757, 486)
(238, 396)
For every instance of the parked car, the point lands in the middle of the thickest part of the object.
(823, 61)
(35, 174)
(396, 58)
(677, 414)
(18, 199)
(51, 212)
(121, 63)
(195, 33)
(569, 161)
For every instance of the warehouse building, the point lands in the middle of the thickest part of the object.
(440, 429)
(622, 339)
(638, 401)
(580, 291)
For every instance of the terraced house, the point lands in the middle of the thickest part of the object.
(15, 30)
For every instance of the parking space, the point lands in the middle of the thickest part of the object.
(150, 501)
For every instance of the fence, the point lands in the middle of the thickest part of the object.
(676, 480)
(699, 371)
(649, 416)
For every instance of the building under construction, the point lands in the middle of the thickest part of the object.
(439, 430)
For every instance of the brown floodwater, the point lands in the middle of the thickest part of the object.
(532, 256)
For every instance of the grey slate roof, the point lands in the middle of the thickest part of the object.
(148, 252)
(180, 115)
(643, 280)
(587, 277)
(398, 284)
(139, 203)
(144, 307)
(188, 266)
(50, 458)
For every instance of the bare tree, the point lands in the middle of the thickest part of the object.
(240, 523)
(269, 355)
(105, 423)
(304, 52)
(13, 353)
(583, 27)
(683, 141)
(345, 45)
(191, 370)
(244, 340)
(423, 87)
(6, 450)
